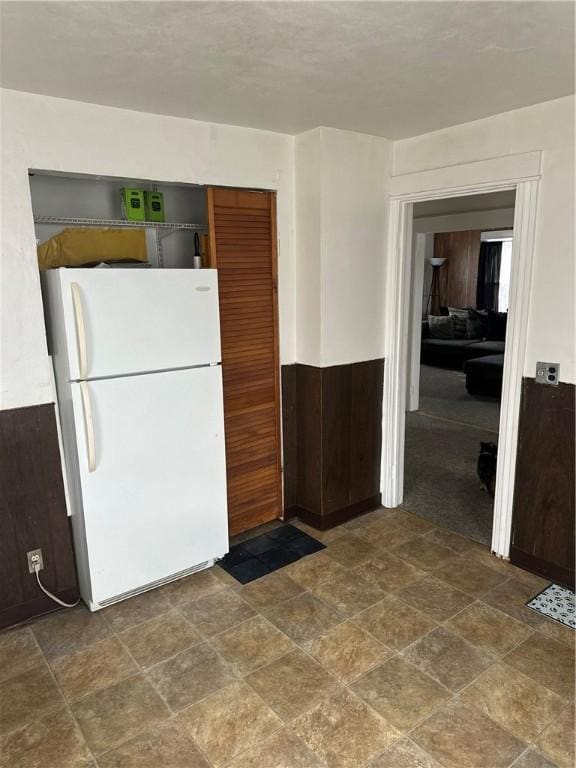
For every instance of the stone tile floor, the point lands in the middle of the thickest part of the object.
(398, 646)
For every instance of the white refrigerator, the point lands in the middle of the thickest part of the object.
(136, 354)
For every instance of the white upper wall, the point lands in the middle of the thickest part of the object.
(355, 181)
(548, 127)
(341, 216)
(308, 164)
(45, 133)
(331, 286)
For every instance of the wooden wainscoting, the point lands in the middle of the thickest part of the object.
(289, 435)
(544, 510)
(336, 446)
(32, 514)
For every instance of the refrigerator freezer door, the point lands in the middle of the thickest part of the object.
(123, 321)
(152, 477)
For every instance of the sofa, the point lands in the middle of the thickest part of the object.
(468, 354)
(484, 375)
(453, 353)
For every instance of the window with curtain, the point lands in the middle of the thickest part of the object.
(504, 278)
(494, 268)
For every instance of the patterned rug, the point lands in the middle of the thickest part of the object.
(556, 603)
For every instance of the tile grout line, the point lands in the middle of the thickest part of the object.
(168, 658)
(68, 703)
(567, 706)
(456, 694)
(244, 679)
(453, 695)
(237, 678)
(495, 659)
(173, 716)
(339, 683)
(43, 662)
(295, 646)
(499, 660)
(141, 672)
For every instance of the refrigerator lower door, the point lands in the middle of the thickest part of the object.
(152, 476)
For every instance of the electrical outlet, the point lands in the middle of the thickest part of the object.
(547, 373)
(35, 560)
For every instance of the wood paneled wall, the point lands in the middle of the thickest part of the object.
(544, 510)
(32, 514)
(332, 457)
(459, 275)
(289, 435)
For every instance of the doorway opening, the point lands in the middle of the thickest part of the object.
(461, 263)
(521, 174)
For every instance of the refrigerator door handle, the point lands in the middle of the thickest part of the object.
(80, 329)
(88, 425)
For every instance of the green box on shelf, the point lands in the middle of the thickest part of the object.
(154, 205)
(133, 200)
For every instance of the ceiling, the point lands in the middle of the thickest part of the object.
(466, 204)
(392, 69)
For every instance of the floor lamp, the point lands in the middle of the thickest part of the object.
(433, 303)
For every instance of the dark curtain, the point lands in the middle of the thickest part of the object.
(488, 276)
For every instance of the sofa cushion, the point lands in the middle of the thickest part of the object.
(460, 318)
(477, 324)
(483, 348)
(497, 326)
(489, 367)
(456, 344)
(441, 327)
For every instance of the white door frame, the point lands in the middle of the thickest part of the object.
(427, 185)
(422, 241)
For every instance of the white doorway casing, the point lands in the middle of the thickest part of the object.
(519, 172)
(422, 250)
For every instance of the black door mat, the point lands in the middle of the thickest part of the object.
(268, 552)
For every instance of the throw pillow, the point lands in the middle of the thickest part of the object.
(477, 324)
(460, 316)
(441, 327)
(497, 326)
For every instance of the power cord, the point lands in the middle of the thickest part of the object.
(49, 594)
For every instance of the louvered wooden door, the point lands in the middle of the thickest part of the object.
(243, 249)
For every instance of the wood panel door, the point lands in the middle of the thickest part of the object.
(243, 249)
(459, 275)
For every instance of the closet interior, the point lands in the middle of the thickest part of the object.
(195, 226)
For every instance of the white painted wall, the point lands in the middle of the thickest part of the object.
(548, 127)
(45, 133)
(308, 185)
(341, 215)
(331, 293)
(355, 174)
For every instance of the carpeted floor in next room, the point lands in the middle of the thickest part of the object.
(442, 445)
